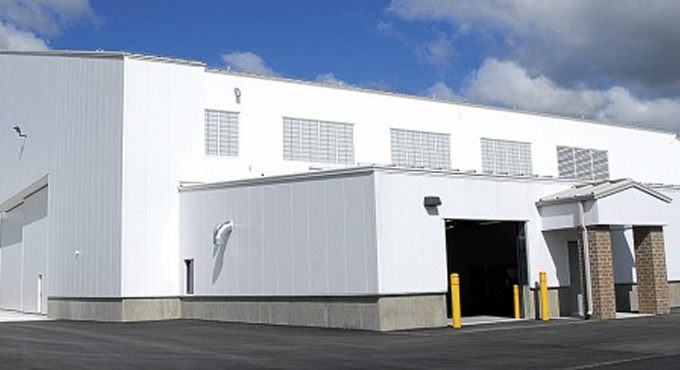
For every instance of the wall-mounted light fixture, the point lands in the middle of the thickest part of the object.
(23, 136)
(432, 201)
(237, 94)
(18, 130)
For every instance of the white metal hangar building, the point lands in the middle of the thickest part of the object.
(135, 187)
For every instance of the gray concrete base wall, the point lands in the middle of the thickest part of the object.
(147, 309)
(368, 313)
(410, 312)
(674, 288)
(85, 309)
(558, 300)
(114, 309)
(626, 299)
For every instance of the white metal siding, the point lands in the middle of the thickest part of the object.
(374, 114)
(671, 233)
(412, 243)
(307, 237)
(71, 110)
(163, 144)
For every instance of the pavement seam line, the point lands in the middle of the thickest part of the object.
(616, 362)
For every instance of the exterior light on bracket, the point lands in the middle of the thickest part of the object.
(237, 94)
(432, 201)
(19, 132)
(23, 136)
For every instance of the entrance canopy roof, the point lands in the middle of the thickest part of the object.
(611, 202)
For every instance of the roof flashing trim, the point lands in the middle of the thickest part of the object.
(187, 186)
(598, 190)
(101, 54)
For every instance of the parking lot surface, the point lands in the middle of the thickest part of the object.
(639, 343)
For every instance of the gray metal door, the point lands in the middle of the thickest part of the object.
(575, 294)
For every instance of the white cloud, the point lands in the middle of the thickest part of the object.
(246, 61)
(329, 78)
(438, 52)
(13, 39)
(508, 84)
(663, 113)
(29, 24)
(441, 91)
(631, 42)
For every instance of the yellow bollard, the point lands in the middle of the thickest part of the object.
(545, 307)
(515, 298)
(455, 300)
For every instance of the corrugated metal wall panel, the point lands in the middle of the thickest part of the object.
(71, 109)
(308, 237)
(163, 135)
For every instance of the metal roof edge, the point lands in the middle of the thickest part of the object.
(103, 54)
(622, 185)
(543, 203)
(122, 54)
(187, 186)
(652, 192)
(19, 197)
(154, 58)
(275, 178)
(629, 184)
(68, 53)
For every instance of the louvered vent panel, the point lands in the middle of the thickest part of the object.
(211, 132)
(221, 133)
(506, 157)
(420, 149)
(600, 165)
(582, 164)
(317, 141)
(565, 162)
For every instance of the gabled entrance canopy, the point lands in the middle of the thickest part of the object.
(612, 202)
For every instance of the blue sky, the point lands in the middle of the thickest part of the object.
(612, 60)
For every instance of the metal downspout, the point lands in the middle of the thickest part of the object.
(586, 261)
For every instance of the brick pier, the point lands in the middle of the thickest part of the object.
(601, 272)
(652, 277)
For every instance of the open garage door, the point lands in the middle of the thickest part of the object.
(490, 258)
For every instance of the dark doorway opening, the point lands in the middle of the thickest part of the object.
(490, 257)
(189, 264)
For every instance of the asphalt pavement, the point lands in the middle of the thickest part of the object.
(639, 343)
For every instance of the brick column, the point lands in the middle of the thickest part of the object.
(650, 264)
(601, 272)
